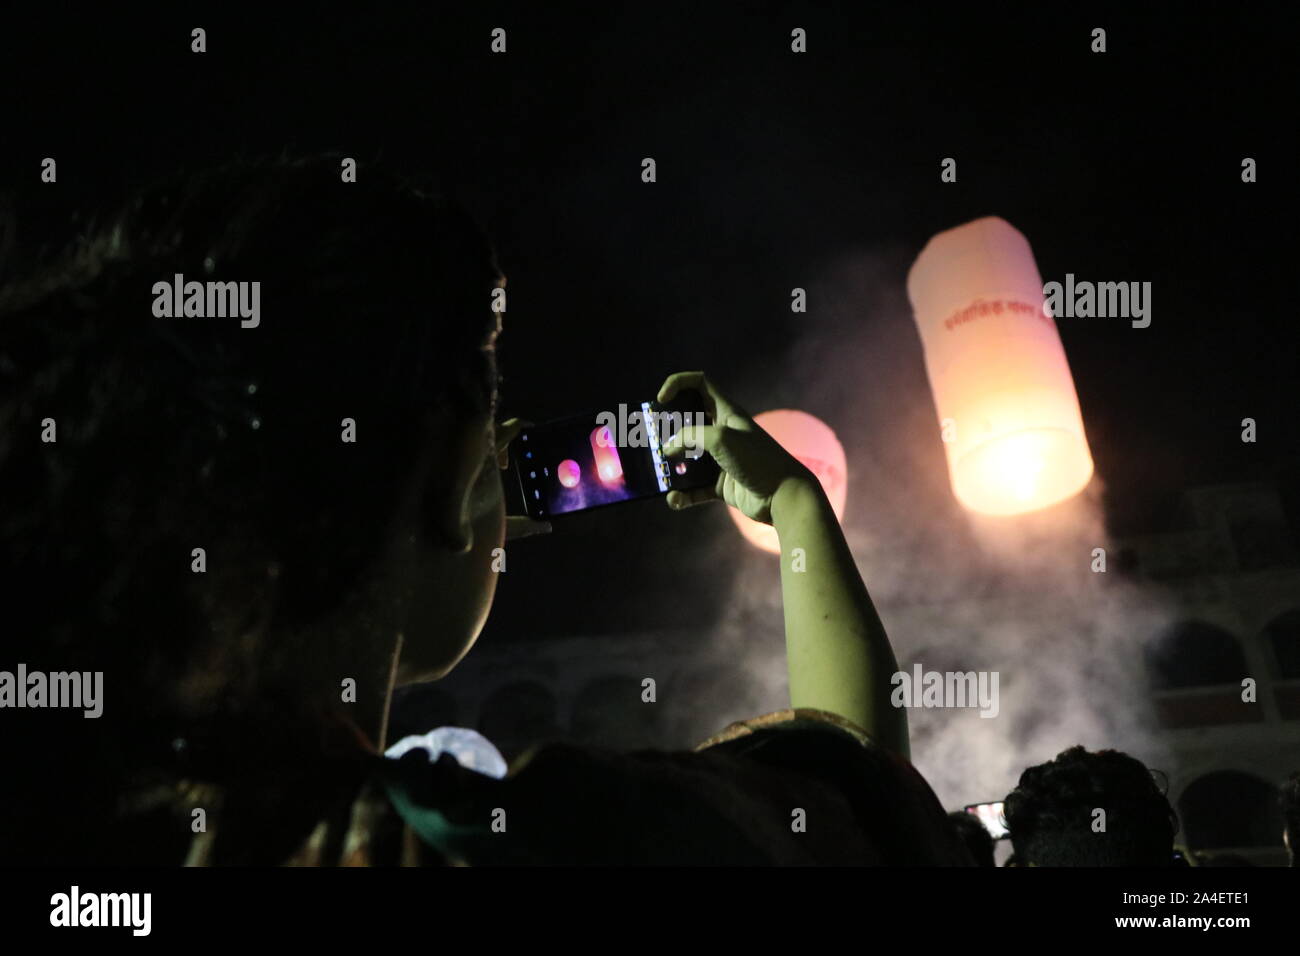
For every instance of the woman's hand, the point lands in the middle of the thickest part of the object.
(517, 526)
(754, 466)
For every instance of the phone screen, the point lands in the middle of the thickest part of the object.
(990, 814)
(606, 457)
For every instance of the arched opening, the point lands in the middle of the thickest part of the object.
(1228, 808)
(1194, 654)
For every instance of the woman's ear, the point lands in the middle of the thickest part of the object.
(448, 515)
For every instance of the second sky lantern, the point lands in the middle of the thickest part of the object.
(1008, 414)
(812, 441)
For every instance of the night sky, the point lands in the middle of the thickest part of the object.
(1122, 166)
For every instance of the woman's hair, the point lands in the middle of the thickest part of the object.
(177, 433)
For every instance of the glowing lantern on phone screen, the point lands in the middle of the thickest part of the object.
(1009, 416)
(608, 466)
(810, 440)
(569, 473)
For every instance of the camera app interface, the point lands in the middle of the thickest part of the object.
(599, 459)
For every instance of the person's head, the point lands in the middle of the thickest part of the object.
(233, 515)
(1289, 800)
(975, 836)
(1090, 809)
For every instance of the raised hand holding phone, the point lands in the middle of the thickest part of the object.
(754, 466)
(837, 651)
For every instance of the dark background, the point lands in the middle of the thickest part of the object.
(1118, 166)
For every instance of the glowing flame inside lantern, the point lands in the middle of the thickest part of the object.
(608, 465)
(811, 441)
(569, 473)
(1009, 416)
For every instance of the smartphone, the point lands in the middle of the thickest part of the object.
(990, 814)
(605, 457)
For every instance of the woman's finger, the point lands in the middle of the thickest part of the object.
(696, 439)
(521, 526)
(679, 499)
(679, 381)
(714, 403)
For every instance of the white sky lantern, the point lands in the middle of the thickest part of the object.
(1008, 413)
(811, 440)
